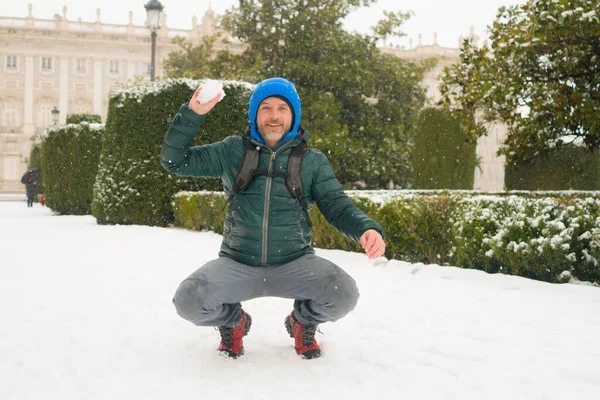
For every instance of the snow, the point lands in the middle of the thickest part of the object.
(86, 313)
(140, 91)
(75, 128)
(589, 15)
(210, 89)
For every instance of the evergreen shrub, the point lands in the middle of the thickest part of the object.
(417, 228)
(132, 187)
(325, 236)
(200, 210)
(69, 163)
(35, 161)
(549, 239)
(79, 118)
(549, 236)
(569, 167)
(442, 157)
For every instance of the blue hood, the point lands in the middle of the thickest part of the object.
(279, 87)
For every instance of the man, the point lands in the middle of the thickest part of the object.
(266, 248)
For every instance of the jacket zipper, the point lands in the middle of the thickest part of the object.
(265, 232)
(266, 210)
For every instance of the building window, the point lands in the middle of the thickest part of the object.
(46, 63)
(11, 62)
(9, 172)
(44, 117)
(10, 116)
(114, 67)
(81, 66)
(80, 109)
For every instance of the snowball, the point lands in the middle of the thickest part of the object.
(210, 90)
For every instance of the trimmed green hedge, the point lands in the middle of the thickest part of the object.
(532, 235)
(69, 163)
(35, 161)
(79, 118)
(570, 167)
(442, 157)
(132, 187)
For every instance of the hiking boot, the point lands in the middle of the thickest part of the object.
(232, 344)
(304, 338)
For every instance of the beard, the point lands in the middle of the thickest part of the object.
(273, 132)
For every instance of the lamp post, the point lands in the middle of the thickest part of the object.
(55, 113)
(153, 10)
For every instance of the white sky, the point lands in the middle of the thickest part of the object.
(449, 19)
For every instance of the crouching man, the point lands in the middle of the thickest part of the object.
(272, 179)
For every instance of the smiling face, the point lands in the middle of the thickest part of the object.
(274, 119)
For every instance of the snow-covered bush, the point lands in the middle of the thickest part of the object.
(550, 236)
(546, 239)
(83, 117)
(132, 187)
(69, 162)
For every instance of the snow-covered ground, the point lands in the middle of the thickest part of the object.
(86, 313)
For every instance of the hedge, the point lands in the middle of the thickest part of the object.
(548, 236)
(35, 161)
(568, 168)
(69, 162)
(442, 157)
(79, 118)
(132, 187)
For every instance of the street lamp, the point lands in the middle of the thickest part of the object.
(55, 113)
(153, 9)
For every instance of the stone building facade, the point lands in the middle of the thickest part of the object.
(73, 66)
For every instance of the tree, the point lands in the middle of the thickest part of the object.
(540, 76)
(354, 97)
(202, 61)
(442, 157)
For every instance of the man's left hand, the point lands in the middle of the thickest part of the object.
(372, 243)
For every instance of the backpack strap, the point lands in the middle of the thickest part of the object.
(247, 172)
(292, 177)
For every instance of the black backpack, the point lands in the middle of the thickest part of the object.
(292, 177)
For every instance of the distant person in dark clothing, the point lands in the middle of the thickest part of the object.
(31, 189)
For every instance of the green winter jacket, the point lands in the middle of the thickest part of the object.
(264, 224)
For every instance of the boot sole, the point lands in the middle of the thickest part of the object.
(230, 354)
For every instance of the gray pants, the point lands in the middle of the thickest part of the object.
(211, 296)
